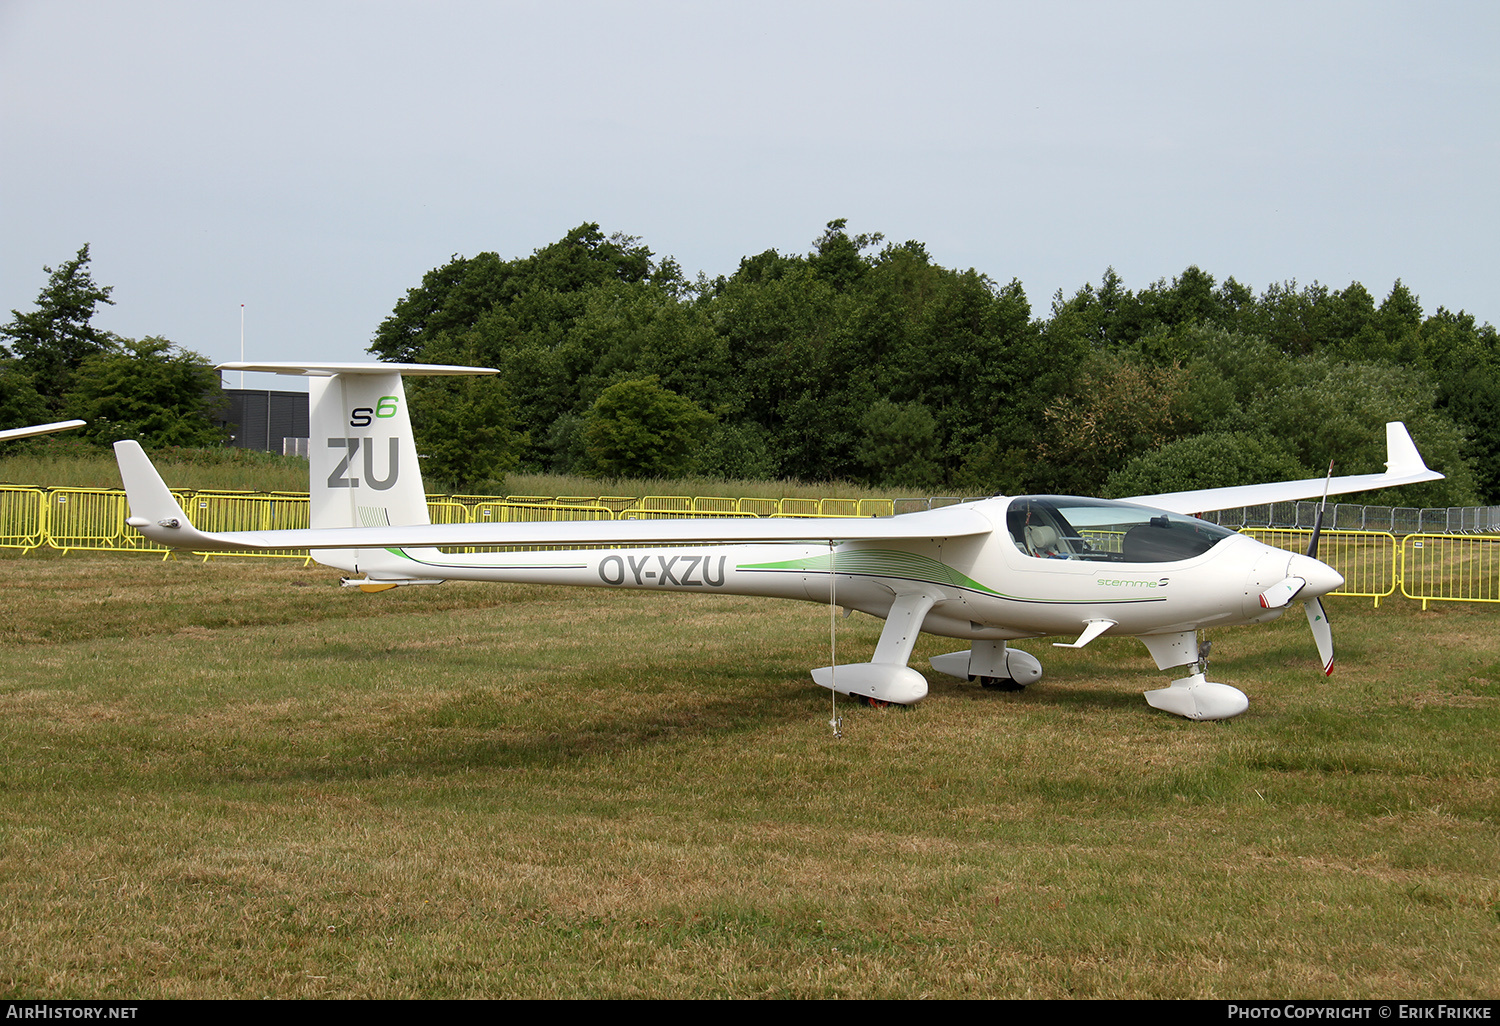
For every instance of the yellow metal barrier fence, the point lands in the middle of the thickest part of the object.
(93, 519)
(838, 507)
(1451, 568)
(628, 505)
(525, 513)
(799, 508)
(250, 511)
(761, 507)
(23, 518)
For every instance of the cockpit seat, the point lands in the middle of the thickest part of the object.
(1042, 540)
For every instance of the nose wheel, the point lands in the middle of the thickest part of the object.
(999, 684)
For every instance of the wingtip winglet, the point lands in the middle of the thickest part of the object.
(155, 512)
(1401, 456)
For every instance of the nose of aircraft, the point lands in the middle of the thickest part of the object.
(1320, 577)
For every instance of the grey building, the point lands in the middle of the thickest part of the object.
(262, 419)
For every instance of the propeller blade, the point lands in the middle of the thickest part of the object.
(1312, 545)
(1317, 619)
(1282, 592)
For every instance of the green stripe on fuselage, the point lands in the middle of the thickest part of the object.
(907, 566)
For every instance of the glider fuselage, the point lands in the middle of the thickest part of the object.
(991, 588)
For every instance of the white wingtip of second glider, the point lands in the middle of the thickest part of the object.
(154, 511)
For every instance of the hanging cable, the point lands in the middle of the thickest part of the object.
(836, 722)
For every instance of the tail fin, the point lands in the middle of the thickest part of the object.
(364, 470)
(364, 460)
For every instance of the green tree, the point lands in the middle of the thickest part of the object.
(1464, 362)
(465, 429)
(818, 341)
(1112, 316)
(738, 450)
(988, 468)
(1115, 410)
(837, 362)
(638, 428)
(20, 405)
(1215, 460)
(560, 325)
(1337, 410)
(1227, 375)
(971, 355)
(54, 340)
(784, 332)
(150, 391)
(539, 289)
(899, 445)
(838, 258)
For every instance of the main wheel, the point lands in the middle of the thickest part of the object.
(1000, 684)
(876, 703)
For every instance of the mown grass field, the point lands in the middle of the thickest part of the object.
(235, 779)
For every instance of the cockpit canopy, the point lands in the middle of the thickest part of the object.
(1068, 527)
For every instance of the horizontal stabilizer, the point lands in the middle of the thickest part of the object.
(328, 370)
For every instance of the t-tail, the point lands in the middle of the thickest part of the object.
(364, 470)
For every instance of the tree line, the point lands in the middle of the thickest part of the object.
(860, 359)
(56, 365)
(866, 360)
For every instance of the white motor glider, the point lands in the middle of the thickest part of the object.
(987, 572)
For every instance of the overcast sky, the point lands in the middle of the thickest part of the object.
(312, 160)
